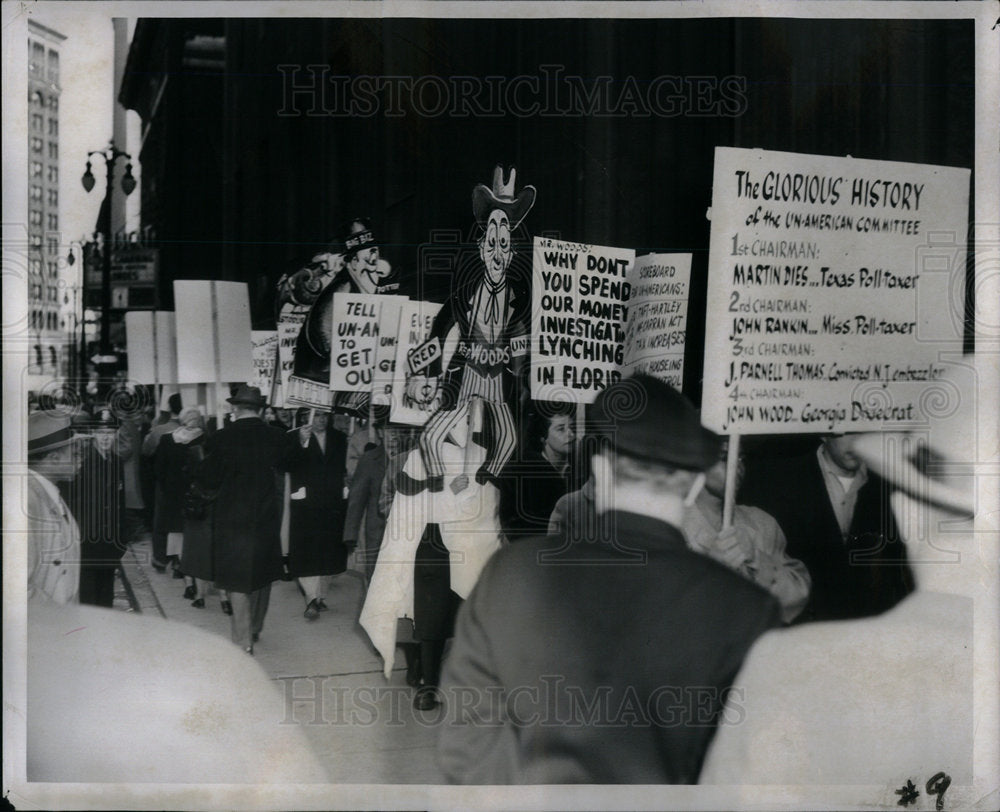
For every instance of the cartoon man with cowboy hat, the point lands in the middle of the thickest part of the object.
(490, 313)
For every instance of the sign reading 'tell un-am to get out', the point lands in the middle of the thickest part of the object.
(835, 291)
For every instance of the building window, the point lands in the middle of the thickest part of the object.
(53, 126)
(53, 174)
(53, 66)
(36, 169)
(52, 195)
(36, 193)
(53, 269)
(35, 217)
(36, 241)
(37, 120)
(35, 266)
(53, 104)
(53, 222)
(53, 245)
(54, 357)
(53, 151)
(36, 144)
(38, 98)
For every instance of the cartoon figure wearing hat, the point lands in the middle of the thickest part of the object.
(489, 311)
(356, 268)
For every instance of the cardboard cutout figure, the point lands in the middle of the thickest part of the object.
(490, 312)
(358, 268)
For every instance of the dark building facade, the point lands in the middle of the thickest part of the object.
(262, 136)
(174, 79)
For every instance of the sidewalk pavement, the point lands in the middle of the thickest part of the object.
(363, 728)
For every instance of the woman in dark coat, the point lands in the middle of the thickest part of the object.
(317, 509)
(178, 455)
(537, 480)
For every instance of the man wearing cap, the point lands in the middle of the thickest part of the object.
(53, 535)
(605, 662)
(241, 465)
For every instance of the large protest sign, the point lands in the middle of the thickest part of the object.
(577, 314)
(825, 310)
(415, 396)
(151, 337)
(656, 325)
(214, 342)
(354, 341)
(265, 358)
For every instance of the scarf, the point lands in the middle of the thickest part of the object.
(183, 435)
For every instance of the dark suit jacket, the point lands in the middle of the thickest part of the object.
(863, 575)
(610, 667)
(457, 310)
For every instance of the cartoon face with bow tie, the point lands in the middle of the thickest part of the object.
(487, 314)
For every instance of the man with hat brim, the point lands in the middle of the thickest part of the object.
(53, 534)
(606, 662)
(96, 497)
(854, 701)
(490, 311)
(241, 467)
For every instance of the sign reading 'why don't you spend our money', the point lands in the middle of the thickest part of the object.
(834, 291)
(578, 310)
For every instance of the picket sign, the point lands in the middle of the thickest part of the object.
(832, 303)
(152, 349)
(214, 314)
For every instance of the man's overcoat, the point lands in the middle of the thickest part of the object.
(242, 465)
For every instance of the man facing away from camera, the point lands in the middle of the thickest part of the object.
(605, 662)
(241, 463)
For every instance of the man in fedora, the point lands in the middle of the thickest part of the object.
(241, 465)
(892, 697)
(490, 310)
(605, 662)
(53, 535)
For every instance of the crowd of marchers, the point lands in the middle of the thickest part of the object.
(617, 576)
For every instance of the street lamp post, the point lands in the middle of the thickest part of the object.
(110, 153)
(78, 365)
